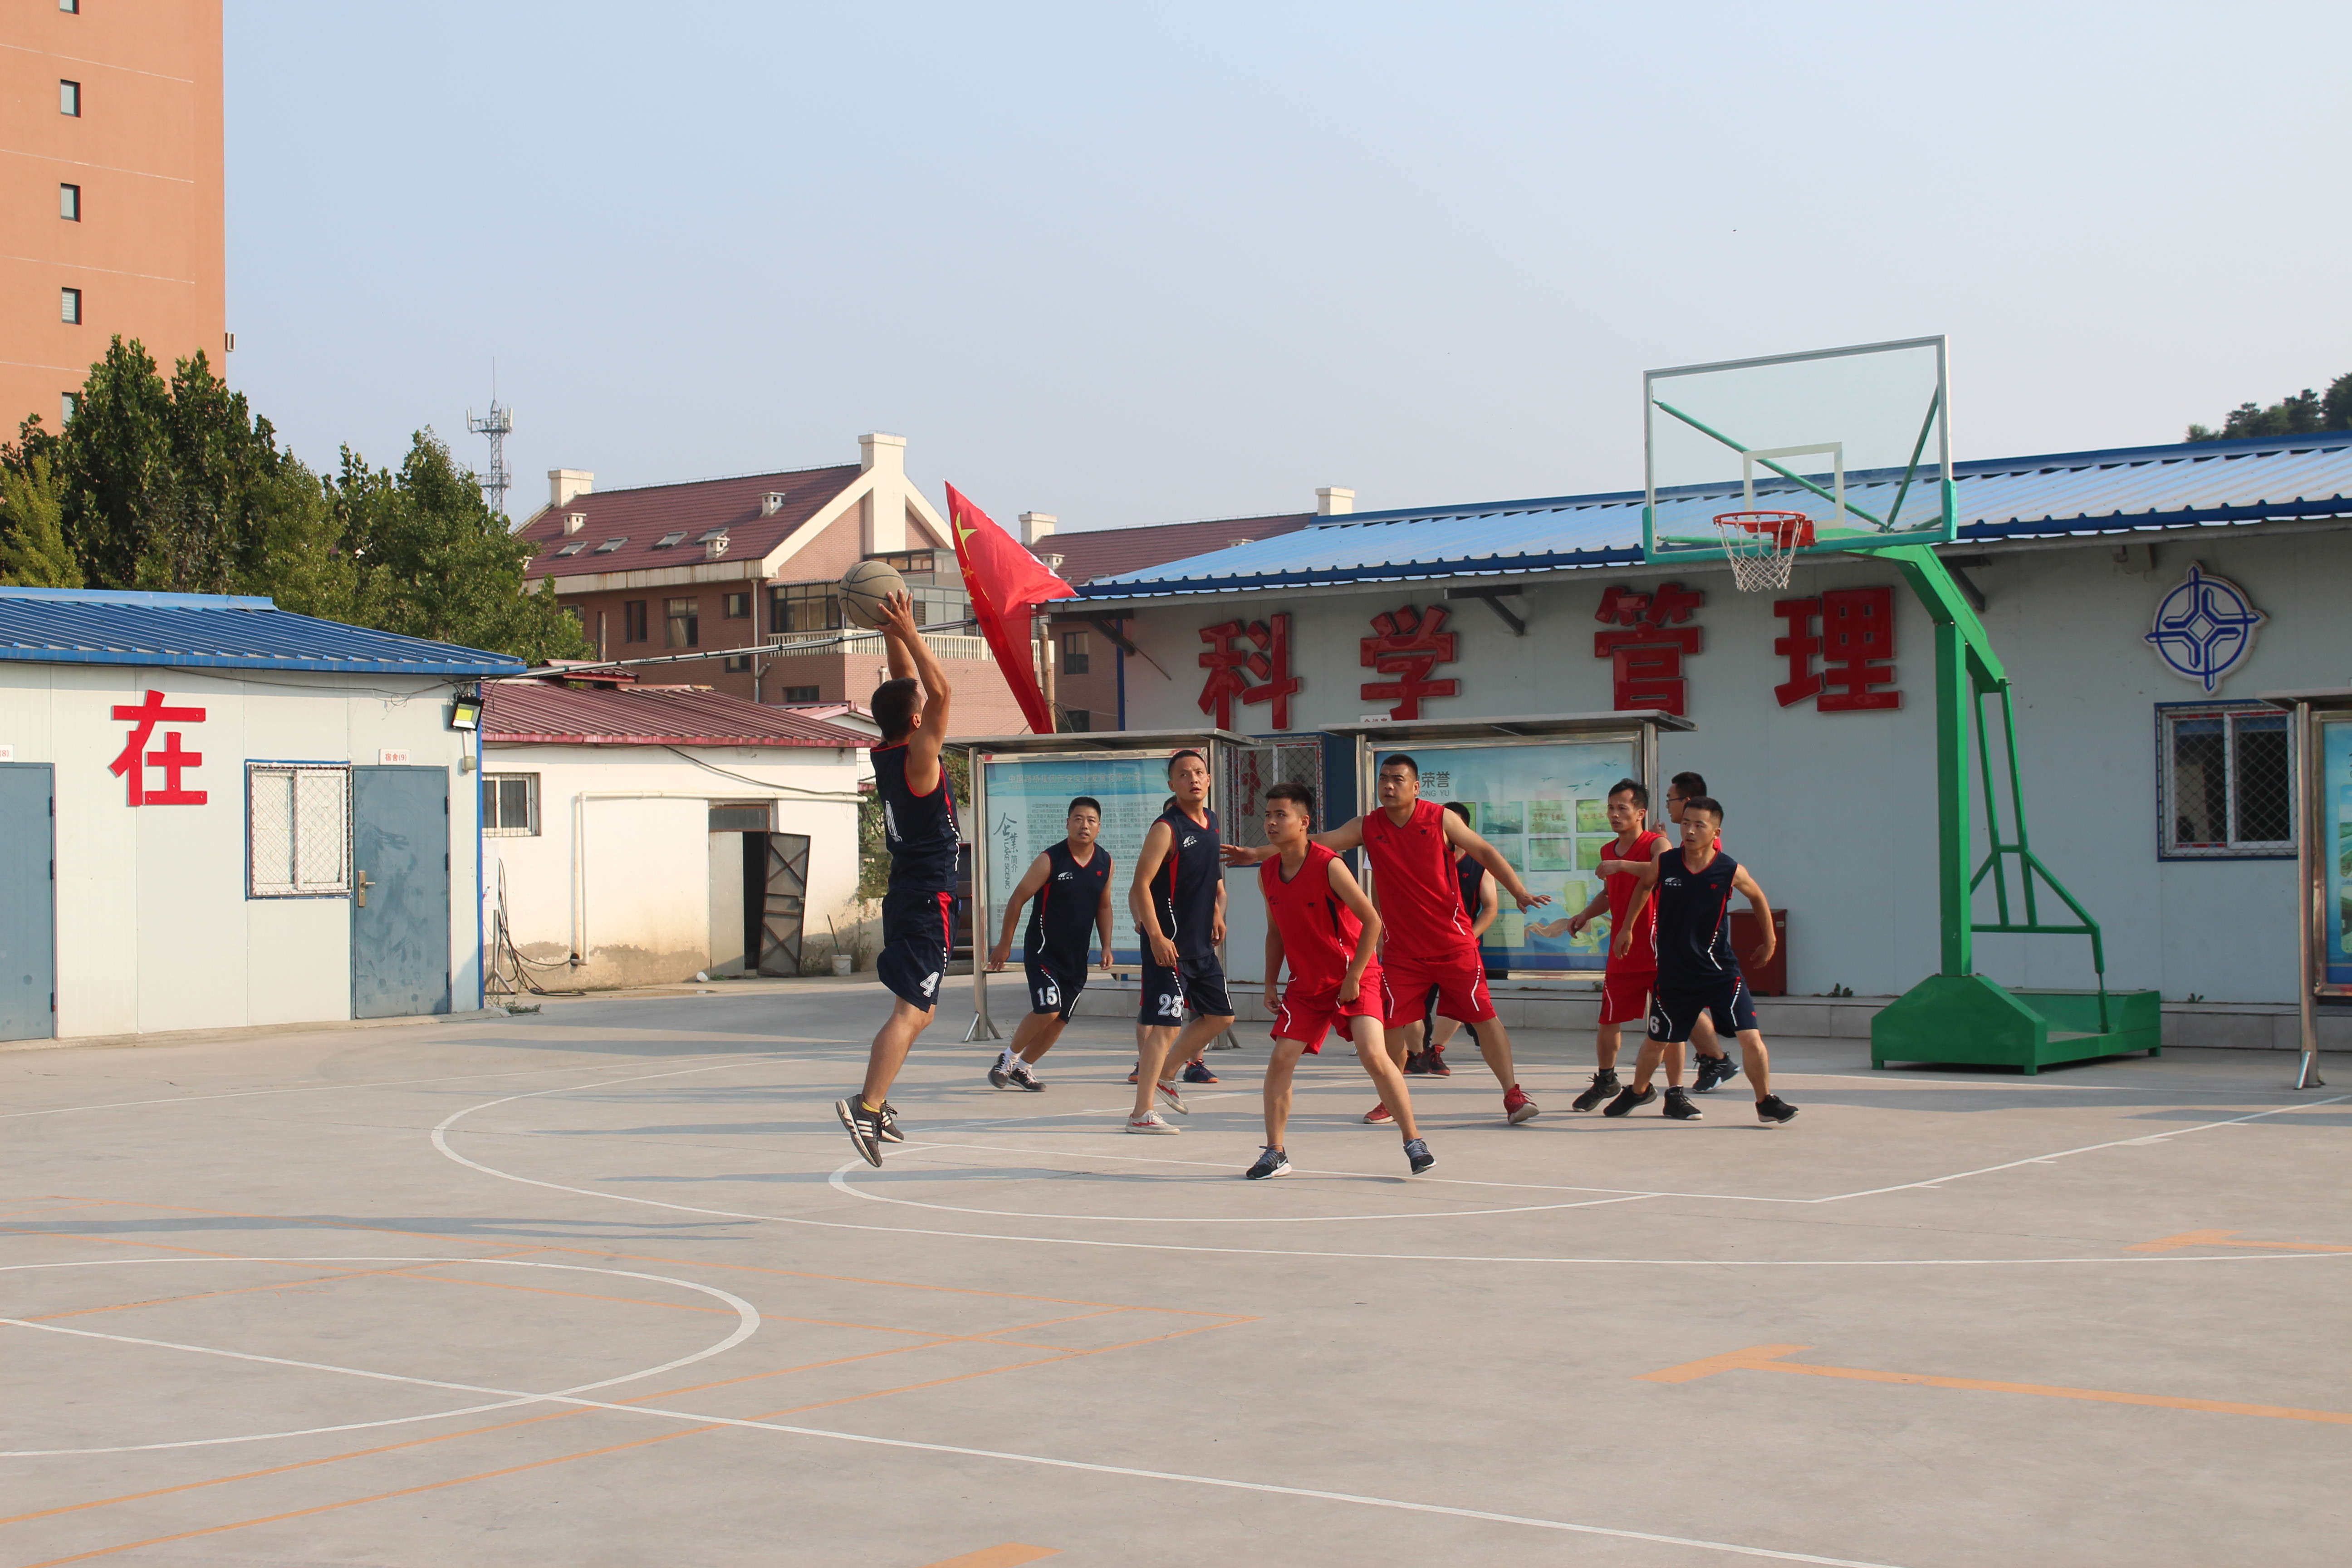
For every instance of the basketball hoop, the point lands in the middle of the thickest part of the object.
(1762, 546)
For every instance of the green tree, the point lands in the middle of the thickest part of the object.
(33, 548)
(874, 849)
(2305, 413)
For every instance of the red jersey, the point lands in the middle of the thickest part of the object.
(1416, 886)
(1641, 957)
(1318, 931)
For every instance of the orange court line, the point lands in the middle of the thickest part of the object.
(1012, 1555)
(1766, 1358)
(2227, 1239)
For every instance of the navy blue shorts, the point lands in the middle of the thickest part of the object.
(1674, 1014)
(917, 933)
(1197, 983)
(1052, 988)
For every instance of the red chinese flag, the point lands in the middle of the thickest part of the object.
(1006, 585)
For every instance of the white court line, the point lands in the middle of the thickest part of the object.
(508, 1397)
(747, 1324)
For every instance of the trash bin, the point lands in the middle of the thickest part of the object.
(1772, 980)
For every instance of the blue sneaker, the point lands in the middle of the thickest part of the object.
(1198, 1072)
(1273, 1162)
(1417, 1154)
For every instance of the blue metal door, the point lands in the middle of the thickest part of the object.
(28, 908)
(400, 892)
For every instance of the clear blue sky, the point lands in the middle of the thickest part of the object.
(1133, 264)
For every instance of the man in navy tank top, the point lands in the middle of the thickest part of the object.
(1071, 884)
(1178, 899)
(918, 824)
(1696, 971)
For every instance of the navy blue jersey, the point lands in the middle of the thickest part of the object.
(1473, 877)
(1062, 918)
(920, 829)
(1184, 890)
(1695, 922)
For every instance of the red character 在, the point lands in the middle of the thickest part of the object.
(1411, 642)
(173, 760)
(1856, 641)
(1230, 665)
(1646, 656)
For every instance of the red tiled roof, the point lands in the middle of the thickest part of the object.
(1108, 552)
(645, 515)
(623, 716)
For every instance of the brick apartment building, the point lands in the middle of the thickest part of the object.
(110, 173)
(745, 568)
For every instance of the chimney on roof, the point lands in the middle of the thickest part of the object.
(562, 484)
(573, 522)
(876, 450)
(771, 503)
(1334, 500)
(1035, 526)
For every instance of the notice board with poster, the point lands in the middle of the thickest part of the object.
(2335, 851)
(1538, 790)
(1028, 806)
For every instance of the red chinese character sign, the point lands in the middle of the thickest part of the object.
(173, 760)
(1645, 653)
(1857, 640)
(1411, 642)
(1238, 650)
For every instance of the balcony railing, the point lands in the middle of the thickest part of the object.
(946, 645)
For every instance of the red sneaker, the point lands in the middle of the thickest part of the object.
(1435, 1065)
(1517, 1106)
(1379, 1115)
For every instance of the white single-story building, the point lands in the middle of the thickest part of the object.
(214, 813)
(2140, 598)
(638, 834)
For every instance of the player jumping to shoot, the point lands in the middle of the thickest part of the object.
(1071, 882)
(1318, 919)
(1696, 971)
(918, 824)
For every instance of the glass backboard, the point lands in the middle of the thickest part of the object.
(1857, 439)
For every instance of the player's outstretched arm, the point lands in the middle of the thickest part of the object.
(1462, 836)
(1157, 843)
(1339, 841)
(910, 654)
(1645, 884)
(1352, 893)
(1022, 891)
(1744, 883)
(1103, 917)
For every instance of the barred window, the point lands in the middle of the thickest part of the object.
(2225, 781)
(299, 838)
(509, 805)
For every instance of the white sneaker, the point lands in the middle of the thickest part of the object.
(1173, 1101)
(1151, 1122)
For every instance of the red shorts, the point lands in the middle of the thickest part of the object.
(1626, 994)
(1460, 983)
(1308, 1016)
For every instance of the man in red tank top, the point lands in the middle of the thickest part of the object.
(1427, 941)
(1320, 922)
(1628, 980)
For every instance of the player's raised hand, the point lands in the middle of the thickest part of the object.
(1527, 901)
(1241, 855)
(897, 614)
(997, 955)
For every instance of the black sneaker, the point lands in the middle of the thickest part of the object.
(1713, 1071)
(1273, 1162)
(1416, 1064)
(1019, 1075)
(1679, 1106)
(1604, 1085)
(889, 1124)
(1001, 1075)
(1772, 1111)
(1417, 1154)
(865, 1129)
(1628, 1099)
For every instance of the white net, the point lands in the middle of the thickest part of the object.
(1762, 546)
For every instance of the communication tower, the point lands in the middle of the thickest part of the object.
(497, 424)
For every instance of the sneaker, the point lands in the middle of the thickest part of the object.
(1197, 1072)
(1273, 1162)
(1772, 1111)
(1436, 1067)
(1020, 1075)
(1151, 1122)
(1605, 1087)
(888, 1125)
(1379, 1116)
(865, 1127)
(1628, 1099)
(1680, 1107)
(1416, 1064)
(1715, 1070)
(1417, 1154)
(1174, 1101)
(1517, 1106)
(1133, 1070)
(1000, 1076)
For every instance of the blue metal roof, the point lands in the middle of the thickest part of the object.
(2125, 490)
(212, 631)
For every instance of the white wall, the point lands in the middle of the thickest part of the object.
(632, 900)
(154, 931)
(1836, 813)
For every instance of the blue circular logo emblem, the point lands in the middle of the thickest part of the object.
(2204, 629)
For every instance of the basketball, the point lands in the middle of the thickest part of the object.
(863, 588)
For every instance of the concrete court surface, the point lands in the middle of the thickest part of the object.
(605, 1286)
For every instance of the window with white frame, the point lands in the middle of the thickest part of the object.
(2225, 781)
(509, 805)
(299, 830)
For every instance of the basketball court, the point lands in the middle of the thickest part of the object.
(606, 1284)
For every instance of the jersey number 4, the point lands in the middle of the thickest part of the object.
(932, 983)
